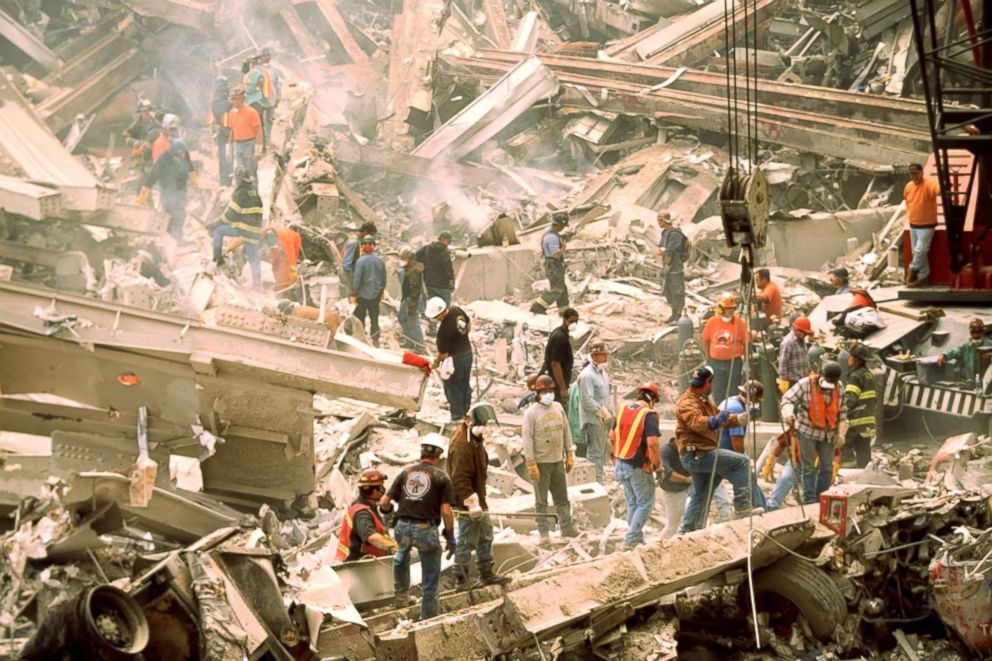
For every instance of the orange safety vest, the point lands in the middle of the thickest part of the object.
(344, 539)
(626, 436)
(822, 416)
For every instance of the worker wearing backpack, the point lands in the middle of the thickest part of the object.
(674, 250)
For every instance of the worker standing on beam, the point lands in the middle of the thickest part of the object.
(596, 408)
(453, 342)
(362, 532)
(218, 119)
(242, 219)
(246, 130)
(370, 282)
(553, 249)
(921, 195)
(859, 396)
(638, 455)
(350, 252)
(260, 92)
(815, 406)
(558, 355)
(697, 428)
(793, 358)
(548, 450)
(173, 171)
(439, 274)
(725, 341)
(468, 466)
(670, 247)
(139, 135)
(423, 494)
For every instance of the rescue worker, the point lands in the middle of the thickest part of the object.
(468, 466)
(747, 399)
(242, 219)
(453, 342)
(787, 479)
(553, 251)
(350, 252)
(859, 395)
(370, 282)
(675, 482)
(769, 296)
(423, 495)
(411, 291)
(260, 93)
(815, 406)
(725, 339)
(596, 407)
(173, 171)
(921, 195)
(548, 451)
(634, 441)
(139, 134)
(169, 132)
(286, 244)
(793, 358)
(558, 355)
(968, 355)
(697, 428)
(246, 130)
(439, 274)
(362, 532)
(841, 280)
(218, 119)
(672, 269)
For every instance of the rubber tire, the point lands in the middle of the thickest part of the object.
(810, 589)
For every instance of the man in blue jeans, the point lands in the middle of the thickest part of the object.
(423, 496)
(453, 341)
(439, 273)
(697, 430)
(638, 455)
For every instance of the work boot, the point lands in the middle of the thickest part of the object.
(536, 308)
(462, 581)
(489, 577)
(919, 282)
(740, 514)
(404, 601)
(569, 531)
(911, 278)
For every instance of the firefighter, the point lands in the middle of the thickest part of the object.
(635, 445)
(553, 251)
(362, 531)
(260, 92)
(139, 134)
(859, 395)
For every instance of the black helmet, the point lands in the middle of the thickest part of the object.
(861, 351)
(482, 414)
(831, 371)
(243, 174)
(559, 218)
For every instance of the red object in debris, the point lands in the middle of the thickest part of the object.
(833, 511)
(961, 597)
(417, 361)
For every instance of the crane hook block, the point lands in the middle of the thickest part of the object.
(744, 208)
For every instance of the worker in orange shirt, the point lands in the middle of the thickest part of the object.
(286, 246)
(920, 195)
(769, 296)
(724, 342)
(246, 130)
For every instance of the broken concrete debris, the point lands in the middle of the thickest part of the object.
(186, 414)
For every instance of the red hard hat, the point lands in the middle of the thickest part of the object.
(650, 387)
(371, 478)
(802, 323)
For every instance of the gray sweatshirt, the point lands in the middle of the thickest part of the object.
(546, 433)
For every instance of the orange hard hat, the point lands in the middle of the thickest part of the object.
(650, 387)
(802, 324)
(727, 300)
(371, 478)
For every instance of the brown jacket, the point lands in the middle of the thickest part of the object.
(691, 412)
(468, 465)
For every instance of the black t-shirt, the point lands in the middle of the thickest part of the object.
(362, 527)
(650, 429)
(452, 333)
(419, 492)
(671, 463)
(559, 350)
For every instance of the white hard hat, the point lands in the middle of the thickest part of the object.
(435, 440)
(170, 121)
(435, 306)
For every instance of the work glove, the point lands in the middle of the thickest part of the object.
(788, 414)
(836, 466)
(768, 472)
(604, 414)
(717, 421)
(743, 419)
(353, 299)
(569, 462)
(141, 199)
(390, 544)
(535, 472)
(783, 386)
(449, 543)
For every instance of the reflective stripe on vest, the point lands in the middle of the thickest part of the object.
(627, 434)
(344, 538)
(822, 416)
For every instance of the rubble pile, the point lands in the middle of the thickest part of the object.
(190, 395)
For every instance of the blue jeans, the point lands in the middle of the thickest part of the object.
(244, 155)
(458, 387)
(815, 480)
(251, 252)
(423, 537)
(731, 466)
(413, 335)
(725, 372)
(920, 239)
(638, 488)
(444, 295)
(597, 447)
(474, 534)
(783, 485)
